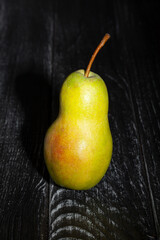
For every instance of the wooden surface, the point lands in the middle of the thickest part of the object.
(41, 42)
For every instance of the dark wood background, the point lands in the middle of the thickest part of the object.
(41, 43)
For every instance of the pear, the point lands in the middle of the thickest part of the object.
(78, 145)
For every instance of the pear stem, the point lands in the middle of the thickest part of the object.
(103, 41)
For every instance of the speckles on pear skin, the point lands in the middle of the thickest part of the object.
(72, 154)
(66, 155)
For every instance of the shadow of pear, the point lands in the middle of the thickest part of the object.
(34, 94)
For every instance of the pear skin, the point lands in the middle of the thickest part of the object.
(78, 145)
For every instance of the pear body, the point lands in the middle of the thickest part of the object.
(78, 145)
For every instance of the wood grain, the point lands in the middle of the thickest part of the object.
(142, 79)
(25, 99)
(122, 205)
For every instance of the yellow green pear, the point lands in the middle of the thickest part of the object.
(78, 145)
